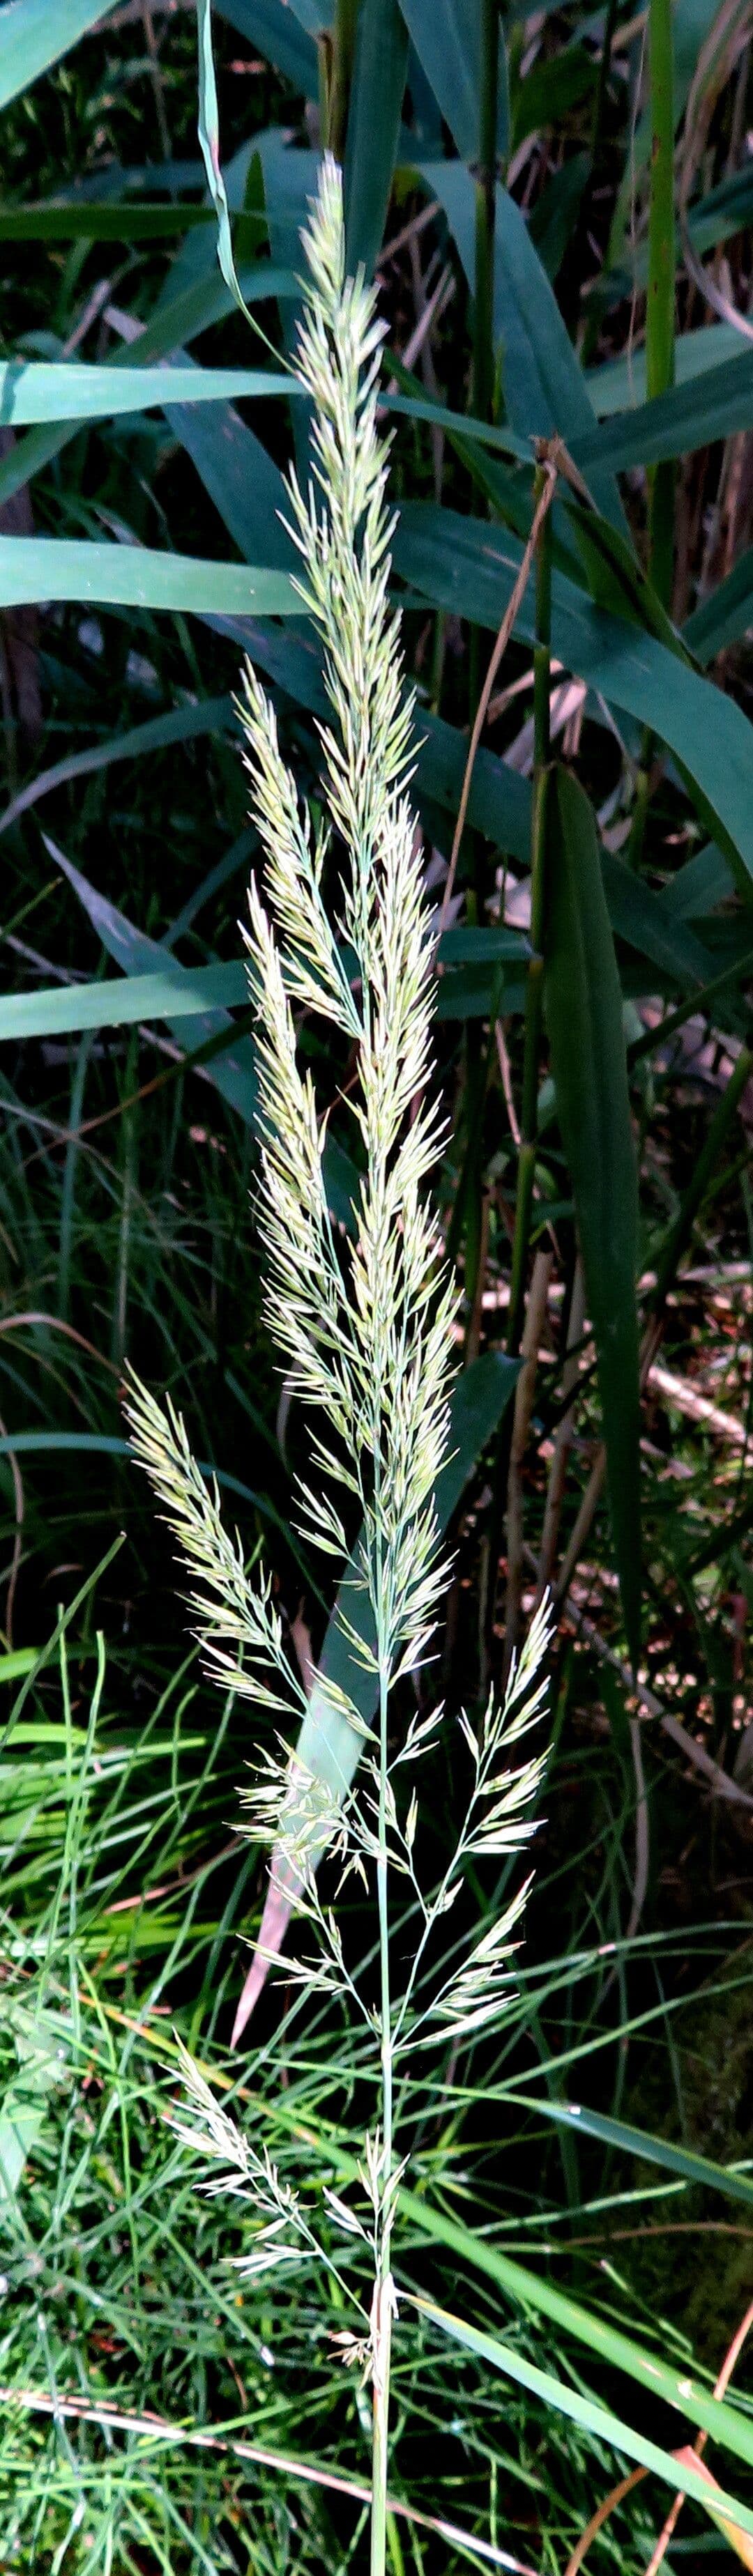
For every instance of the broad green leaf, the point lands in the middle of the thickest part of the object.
(499, 804)
(714, 405)
(461, 425)
(580, 2407)
(637, 915)
(34, 34)
(174, 993)
(700, 884)
(726, 615)
(59, 220)
(34, 391)
(328, 1746)
(583, 1008)
(241, 478)
(456, 564)
(544, 386)
(620, 383)
(276, 30)
(477, 946)
(373, 128)
(40, 2043)
(42, 568)
(615, 579)
(447, 38)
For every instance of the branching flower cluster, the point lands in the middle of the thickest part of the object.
(364, 1330)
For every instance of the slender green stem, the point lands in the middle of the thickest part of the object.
(342, 57)
(382, 2311)
(660, 305)
(529, 1104)
(482, 405)
(486, 182)
(660, 343)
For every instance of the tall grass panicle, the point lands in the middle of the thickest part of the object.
(364, 1330)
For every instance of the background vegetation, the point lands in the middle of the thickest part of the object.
(558, 209)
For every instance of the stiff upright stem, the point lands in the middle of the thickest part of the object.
(342, 46)
(660, 301)
(660, 345)
(529, 1104)
(382, 2307)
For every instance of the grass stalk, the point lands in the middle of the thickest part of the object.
(342, 51)
(383, 2293)
(534, 981)
(482, 404)
(369, 1344)
(660, 348)
(660, 304)
(486, 183)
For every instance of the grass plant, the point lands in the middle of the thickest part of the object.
(572, 2241)
(366, 1341)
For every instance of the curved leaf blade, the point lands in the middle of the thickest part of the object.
(580, 2407)
(583, 1009)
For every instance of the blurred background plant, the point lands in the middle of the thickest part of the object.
(557, 209)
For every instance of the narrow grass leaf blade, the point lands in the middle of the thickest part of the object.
(627, 2140)
(581, 2408)
(45, 392)
(717, 405)
(47, 568)
(58, 220)
(241, 478)
(535, 2295)
(373, 128)
(726, 614)
(173, 993)
(619, 384)
(583, 1007)
(234, 1072)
